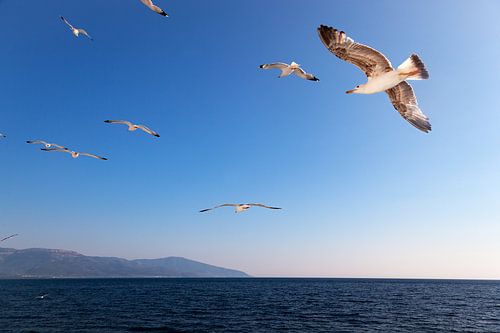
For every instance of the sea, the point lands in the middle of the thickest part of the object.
(249, 305)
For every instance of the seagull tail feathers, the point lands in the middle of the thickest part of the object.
(413, 68)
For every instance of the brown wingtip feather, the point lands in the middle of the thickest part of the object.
(331, 36)
(424, 74)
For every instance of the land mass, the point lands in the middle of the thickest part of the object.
(51, 263)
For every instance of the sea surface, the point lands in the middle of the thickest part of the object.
(249, 305)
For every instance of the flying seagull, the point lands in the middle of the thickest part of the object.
(381, 75)
(154, 8)
(76, 31)
(8, 237)
(46, 144)
(74, 154)
(133, 127)
(2, 135)
(42, 296)
(238, 208)
(287, 69)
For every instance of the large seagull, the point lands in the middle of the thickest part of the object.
(238, 208)
(381, 75)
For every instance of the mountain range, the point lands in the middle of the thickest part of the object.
(51, 263)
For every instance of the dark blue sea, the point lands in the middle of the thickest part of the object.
(249, 305)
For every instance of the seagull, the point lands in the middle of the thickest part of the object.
(381, 75)
(2, 135)
(154, 8)
(133, 127)
(74, 154)
(287, 69)
(238, 208)
(76, 31)
(8, 237)
(42, 296)
(46, 144)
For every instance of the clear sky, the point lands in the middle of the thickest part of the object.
(364, 193)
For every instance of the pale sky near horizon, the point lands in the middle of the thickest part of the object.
(364, 193)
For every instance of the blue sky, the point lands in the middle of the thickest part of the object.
(364, 193)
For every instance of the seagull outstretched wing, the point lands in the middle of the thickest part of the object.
(148, 130)
(124, 122)
(69, 24)
(8, 237)
(61, 150)
(404, 101)
(263, 206)
(218, 206)
(306, 76)
(285, 68)
(154, 8)
(85, 33)
(369, 60)
(93, 156)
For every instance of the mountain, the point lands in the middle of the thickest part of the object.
(45, 263)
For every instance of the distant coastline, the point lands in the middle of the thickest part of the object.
(36, 263)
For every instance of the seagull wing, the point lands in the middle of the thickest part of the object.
(147, 130)
(404, 101)
(279, 65)
(285, 68)
(4, 239)
(58, 146)
(85, 33)
(69, 24)
(261, 205)
(36, 142)
(93, 156)
(306, 76)
(370, 61)
(218, 206)
(124, 122)
(153, 7)
(61, 150)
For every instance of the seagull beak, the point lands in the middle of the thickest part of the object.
(350, 91)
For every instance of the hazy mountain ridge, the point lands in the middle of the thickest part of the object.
(43, 263)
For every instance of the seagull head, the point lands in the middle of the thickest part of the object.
(357, 90)
(294, 65)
